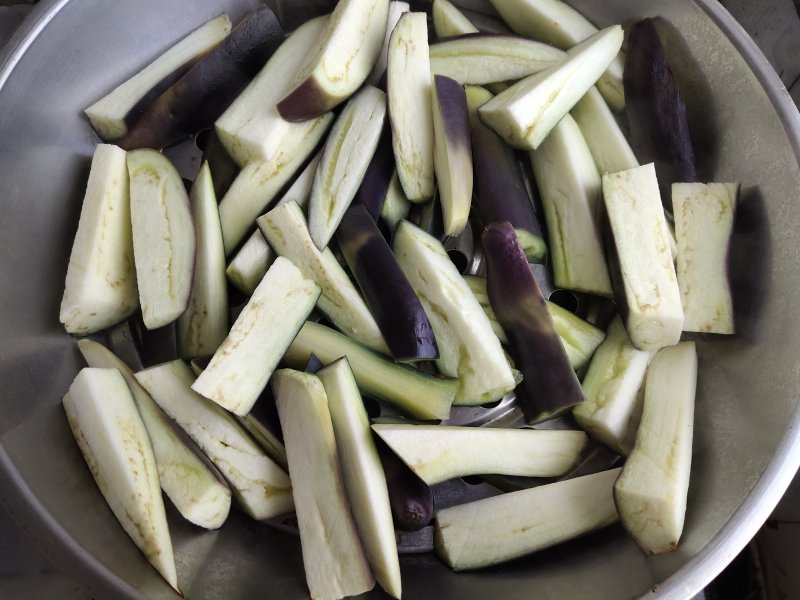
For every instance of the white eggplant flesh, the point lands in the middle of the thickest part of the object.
(571, 195)
(113, 440)
(612, 387)
(191, 482)
(491, 531)
(555, 22)
(395, 206)
(164, 237)
(408, 88)
(363, 474)
(652, 489)
(482, 59)
(284, 228)
(334, 560)
(345, 158)
(468, 347)
(240, 368)
(396, 10)
(704, 215)
(252, 129)
(258, 184)
(261, 488)
(526, 113)
(202, 327)
(300, 190)
(100, 288)
(448, 21)
(452, 156)
(653, 312)
(108, 115)
(340, 61)
(271, 444)
(248, 267)
(440, 452)
(608, 145)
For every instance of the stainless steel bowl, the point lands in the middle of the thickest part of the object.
(747, 440)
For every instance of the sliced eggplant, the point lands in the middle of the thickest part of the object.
(395, 206)
(100, 288)
(526, 112)
(500, 189)
(164, 238)
(252, 129)
(440, 452)
(300, 191)
(608, 145)
(259, 183)
(263, 424)
(649, 295)
(372, 191)
(557, 23)
(571, 194)
(113, 440)
(241, 367)
(341, 61)
(187, 477)
(248, 267)
(123, 106)
(613, 388)
(656, 111)
(261, 488)
(390, 297)
(651, 491)
(486, 58)
(204, 325)
(198, 98)
(448, 21)
(491, 531)
(334, 560)
(223, 168)
(414, 392)
(704, 215)
(363, 474)
(396, 10)
(452, 156)
(345, 158)
(468, 348)
(549, 386)
(408, 88)
(284, 228)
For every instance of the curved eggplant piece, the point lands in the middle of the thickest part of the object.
(388, 293)
(223, 168)
(656, 111)
(372, 191)
(500, 189)
(550, 386)
(198, 98)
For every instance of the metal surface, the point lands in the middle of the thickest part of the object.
(747, 440)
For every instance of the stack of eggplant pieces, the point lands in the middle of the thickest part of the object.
(342, 163)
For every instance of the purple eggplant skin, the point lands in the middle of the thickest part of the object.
(549, 387)
(372, 190)
(198, 98)
(392, 301)
(499, 187)
(223, 168)
(656, 111)
(410, 498)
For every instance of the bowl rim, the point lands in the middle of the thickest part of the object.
(50, 537)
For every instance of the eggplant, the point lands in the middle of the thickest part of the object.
(550, 386)
(448, 21)
(395, 206)
(396, 10)
(390, 297)
(410, 498)
(375, 184)
(656, 111)
(247, 268)
(198, 98)
(500, 190)
(223, 168)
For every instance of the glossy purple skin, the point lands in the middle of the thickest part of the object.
(451, 102)
(656, 111)
(392, 301)
(550, 387)
(198, 98)
(372, 191)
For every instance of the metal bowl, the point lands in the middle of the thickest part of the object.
(747, 434)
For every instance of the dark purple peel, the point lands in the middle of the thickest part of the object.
(428, 217)
(139, 347)
(550, 386)
(499, 187)
(656, 111)
(410, 498)
(198, 98)
(223, 168)
(387, 292)
(379, 173)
